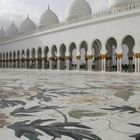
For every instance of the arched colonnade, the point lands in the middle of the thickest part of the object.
(77, 57)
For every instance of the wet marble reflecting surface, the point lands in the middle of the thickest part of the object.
(63, 105)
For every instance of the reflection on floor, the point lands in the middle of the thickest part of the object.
(69, 105)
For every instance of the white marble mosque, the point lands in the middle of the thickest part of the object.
(48, 90)
(105, 41)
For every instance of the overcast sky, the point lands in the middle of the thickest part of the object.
(17, 10)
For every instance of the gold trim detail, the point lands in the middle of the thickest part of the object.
(61, 58)
(137, 55)
(69, 58)
(119, 56)
(52, 58)
(103, 56)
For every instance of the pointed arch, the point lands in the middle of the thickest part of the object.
(72, 53)
(111, 60)
(128, 44)
(83, 55)
(96, 51)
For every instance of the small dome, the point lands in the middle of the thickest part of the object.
(2, 33)
(116, 3)
(27, 25)
(48, 18)
(77, 9)
(12, 30)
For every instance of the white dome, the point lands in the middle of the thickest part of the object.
(2, 33)
(27, 25)
(12, 30)
(48, 18)
(78, 8)
(115, 3)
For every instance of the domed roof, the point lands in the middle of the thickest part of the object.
(115, 3)
(27, 25)
(2, 33)
(12, 30)
(48, 18)
(78, 8)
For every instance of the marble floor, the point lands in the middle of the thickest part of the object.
(69, 105)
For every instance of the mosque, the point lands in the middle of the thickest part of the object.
(108, 40)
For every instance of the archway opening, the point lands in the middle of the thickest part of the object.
(61, 58)
(4, 58)
(22, 59)
(7, 60)
(46, 61)
(33, 60)
(28, 58)
(128, 44)
(14, 59)
(96, 48)
(39, 59)
(83, 55)
(53, 58)
(73, 51)
(10, 57)
(1, 60)
(111, 61)
(18, 59)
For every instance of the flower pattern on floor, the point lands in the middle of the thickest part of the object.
(69, 105)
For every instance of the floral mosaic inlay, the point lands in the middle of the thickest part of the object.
(64, 105)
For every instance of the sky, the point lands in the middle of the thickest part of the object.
(17, 10)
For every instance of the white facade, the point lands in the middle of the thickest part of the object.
(102, 35)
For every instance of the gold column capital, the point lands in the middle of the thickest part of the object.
(61, 58)
(78, 57)
(103, 56)
(69, 58)
(90, 57)
(52, 58)
(137, 55)
(119, 55)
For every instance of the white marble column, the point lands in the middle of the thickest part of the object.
(12, 64)
(99, 64)
(104, 64)
(78, 62)
(3, 64)
(0, 63)
(68, 63)
(16, 66)
(58, 64)
(120, 65)
(51, 63)
(25, 64)
(20, 64)
(36, 64)
(138, 64)
(119, 62)
(89, 61)
(43, 64)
